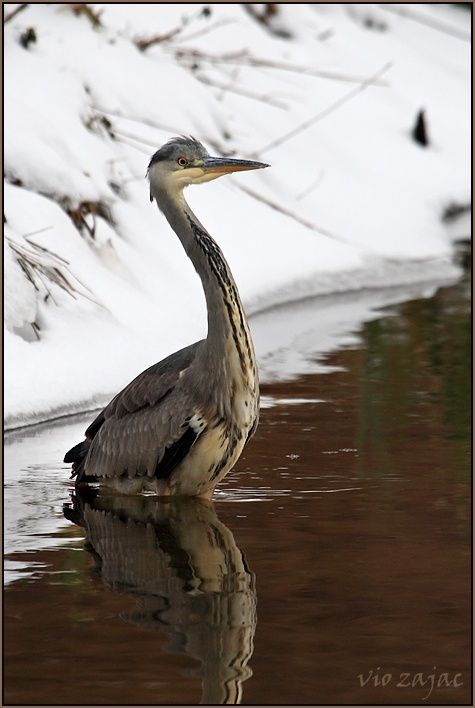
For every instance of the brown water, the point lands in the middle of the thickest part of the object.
(334, 566)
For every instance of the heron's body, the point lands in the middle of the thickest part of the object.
(180, 426)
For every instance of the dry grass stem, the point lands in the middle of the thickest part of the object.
(310, 189)
(403, 11)
(323, 114)
(243, 58)
(39, 263)
(146, 121)
(11, 15)
(233, 88)
(205, 30)
(82, 8)
(292, 215)
(144, 43)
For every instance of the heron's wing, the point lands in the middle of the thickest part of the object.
(148, 427)
(150, 441)
(147, 388)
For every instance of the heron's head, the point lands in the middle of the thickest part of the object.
(183, 161)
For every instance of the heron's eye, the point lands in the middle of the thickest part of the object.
(182, 161)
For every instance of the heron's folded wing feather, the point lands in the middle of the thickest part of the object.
(147, 388)
(150, 441)
(144, 429)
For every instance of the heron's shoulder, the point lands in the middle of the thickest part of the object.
(176, 362)
(148, 388)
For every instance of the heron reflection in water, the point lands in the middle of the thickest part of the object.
(180, 426)
(186, 575)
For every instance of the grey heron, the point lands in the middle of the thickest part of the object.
(179, 427)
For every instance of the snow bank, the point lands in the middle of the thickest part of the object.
(349, 202)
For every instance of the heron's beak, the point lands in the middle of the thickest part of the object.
(222, 165)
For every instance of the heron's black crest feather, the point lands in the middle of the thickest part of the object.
(185, 143)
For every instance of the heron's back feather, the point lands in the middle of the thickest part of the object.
(145, 429)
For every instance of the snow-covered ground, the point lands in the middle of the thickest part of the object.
(326, 93)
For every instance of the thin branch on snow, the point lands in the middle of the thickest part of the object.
(243, 58)
(233, 88)
(266, 17)
(124, 134)
(129, 143)
(39, 262)
(323, 114)
(292, 215)
(403, 11)
(205, 30)
(38, 231)
(144, 43)
(145, 121)
(11, 15)
(83, 8)
(310, 189)
(46, 250)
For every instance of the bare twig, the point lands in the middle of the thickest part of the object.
(46, 250)
(145, 121)
(38, 231)
(310, 189)
(266, 17)
(82, 8)
(143, 43)
(205, 30)
(198, 54)
(124, 134)
(48, 291)
(127, 141)
(243, 92)
(402, 10)
(11, 15)
(242, 58)
(34, 265)
(311, 121)
(292, 215)
(320, 73)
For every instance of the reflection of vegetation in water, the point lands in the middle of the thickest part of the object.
(416, 370)
(375, 381)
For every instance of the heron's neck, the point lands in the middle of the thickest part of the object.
(228, 330)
